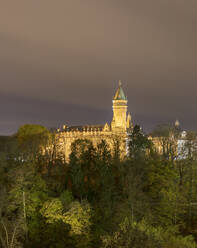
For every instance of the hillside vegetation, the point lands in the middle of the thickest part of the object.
(96, 200)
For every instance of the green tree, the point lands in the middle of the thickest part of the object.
(82, 166)
(166, 137)
(139, 144)
(32, 140)
(137, 235)
(75, 214)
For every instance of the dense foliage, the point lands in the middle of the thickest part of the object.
(96, 199)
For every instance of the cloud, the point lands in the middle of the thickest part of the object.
(72, 53)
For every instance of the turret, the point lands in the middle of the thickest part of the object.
(129, 121)
(177, 123)
(119, 122)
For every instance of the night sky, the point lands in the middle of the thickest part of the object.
(60, 61)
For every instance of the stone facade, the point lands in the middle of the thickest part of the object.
(176, 145)
(119, 129)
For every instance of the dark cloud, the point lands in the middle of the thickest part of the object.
(60, 61)
(20, 110)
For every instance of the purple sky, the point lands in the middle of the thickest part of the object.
(60, 61)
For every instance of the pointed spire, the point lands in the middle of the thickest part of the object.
(177, 123)
(129, 121)
(106, 127)
(120, 93)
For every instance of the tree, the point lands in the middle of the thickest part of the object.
(139, 144)
(143, 235)
(76, 215)
(82, 166)
(32, 140)
(165, 140)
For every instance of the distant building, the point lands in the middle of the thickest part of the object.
(176, 144)
(119, 128)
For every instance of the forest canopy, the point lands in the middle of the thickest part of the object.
(96, 199)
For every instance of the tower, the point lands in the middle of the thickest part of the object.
(177, 123)
(119, 122)
(129, 121)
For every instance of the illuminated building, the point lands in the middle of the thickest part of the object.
(118, 130)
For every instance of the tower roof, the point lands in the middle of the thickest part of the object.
(120, 93)
(177, 123)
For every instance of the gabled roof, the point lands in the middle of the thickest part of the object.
(85, 128)
(120, 93)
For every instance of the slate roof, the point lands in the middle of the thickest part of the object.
(120, 93)
(85, 127)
